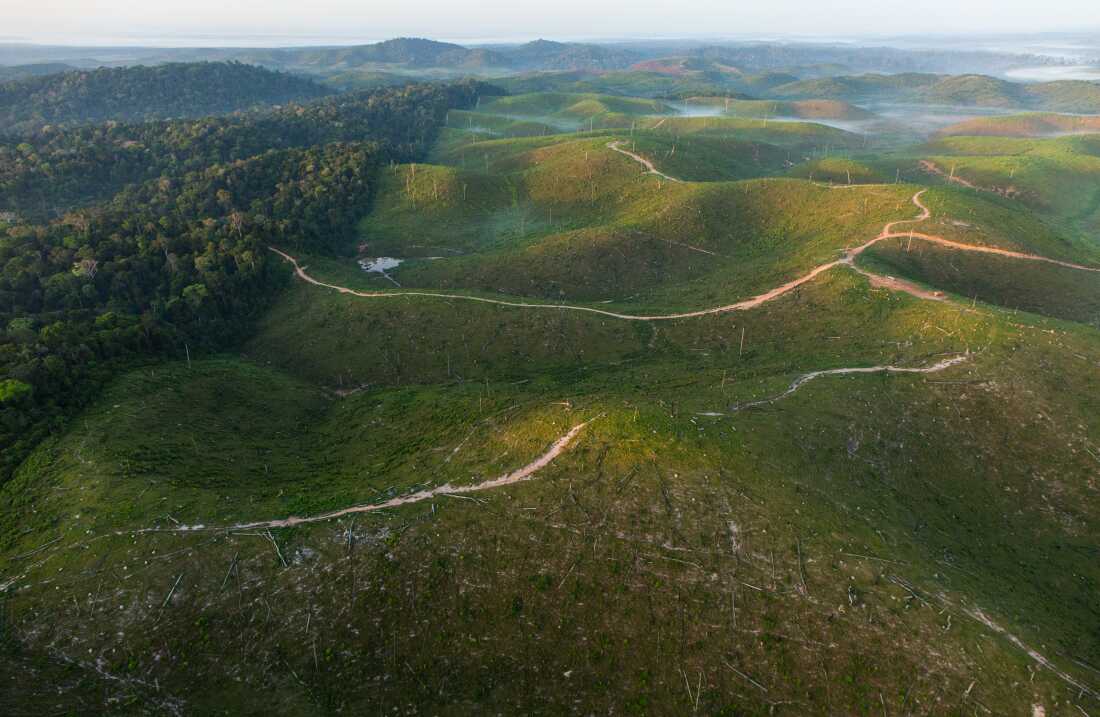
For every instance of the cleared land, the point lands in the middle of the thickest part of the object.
(670, 415)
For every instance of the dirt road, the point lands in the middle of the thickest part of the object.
(848, 259)
(517, 476)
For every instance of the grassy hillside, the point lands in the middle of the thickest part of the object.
(762, 129)
(543, 113)
(805, 534)
(835, 170)
(1037, 124)
(1054, 176)
(573, 220)
(1042, 289)
(644, 82)
(709, 157)
(499, 478)
(554, 219)
(582, 105)
(965, 90)
(801, 109)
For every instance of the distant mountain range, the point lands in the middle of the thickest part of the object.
(420, 54)
(417, 55)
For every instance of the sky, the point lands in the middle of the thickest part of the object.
(296, 22)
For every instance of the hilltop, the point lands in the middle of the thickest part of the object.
(144, 93)
(548, 55)
(964, 90)
(405, 52)
(19, 72)
(1039, 124)
(660, 389)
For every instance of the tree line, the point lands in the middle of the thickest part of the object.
(143, 93)
(180, 260)
(48, 171)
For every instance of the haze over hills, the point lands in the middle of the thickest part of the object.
(144, 93)
(677, 377)
(19, 72)
(753, 56)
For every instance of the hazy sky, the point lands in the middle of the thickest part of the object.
(304, 21)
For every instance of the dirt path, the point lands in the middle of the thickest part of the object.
(517, 476)
(932, 168)
(848, 259)
(739, 306)
(888, 232)
(807, 377)
(933, 239)
(616, 146)
(981, 617)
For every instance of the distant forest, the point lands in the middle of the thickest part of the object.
(176, 260)
(142, 93)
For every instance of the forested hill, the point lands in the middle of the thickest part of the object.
(38, 69)
(143, 93)
(45, 173)
(180, 258)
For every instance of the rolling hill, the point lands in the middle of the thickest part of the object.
(430, 400)
(404, 52)
(144, 93)
(1039, 124)
(20, 72)
(801, 109)
(961, 90)
(419, 54)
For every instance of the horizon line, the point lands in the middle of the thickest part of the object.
(185, 40)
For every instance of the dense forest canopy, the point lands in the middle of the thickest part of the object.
(46, 172)
(144, 93)
(38, 69)
(178, 256)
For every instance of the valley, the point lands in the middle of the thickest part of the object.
(571, 398)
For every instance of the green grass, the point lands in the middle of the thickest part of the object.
(902, 469)
(789, 134)
(836, 170)
(576, 105)
(546, 112)
(804, 109)
(824, 554)
(959, 90)
(1053, 177)
(1038, 288)
(639, 84)
(576, 221)
(1035, 124)
(713, 158)
(483, 125)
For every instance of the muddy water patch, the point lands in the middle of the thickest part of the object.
(381, 265)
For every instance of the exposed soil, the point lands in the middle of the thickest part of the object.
(517, 476)
(848, 259)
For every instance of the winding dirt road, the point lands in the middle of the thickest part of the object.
(930, 167)
(848, 259)
(517, 476)
(616, 146)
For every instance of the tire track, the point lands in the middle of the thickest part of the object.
(807, 377)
